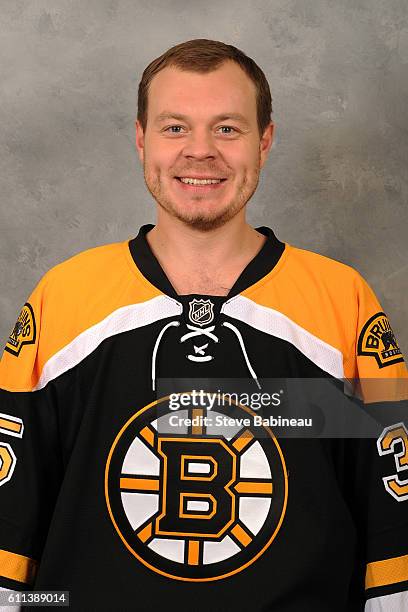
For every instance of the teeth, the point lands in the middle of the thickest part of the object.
(193, 181)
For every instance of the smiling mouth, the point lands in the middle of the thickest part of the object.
(196, 182)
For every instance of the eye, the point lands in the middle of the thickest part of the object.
(173, 129)
(177, 129)
(227, 127)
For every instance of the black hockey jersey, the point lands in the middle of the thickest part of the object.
(133, 497)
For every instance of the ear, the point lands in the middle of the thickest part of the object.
(139, 140)
(266, 143)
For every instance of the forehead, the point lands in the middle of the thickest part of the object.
(224, 90)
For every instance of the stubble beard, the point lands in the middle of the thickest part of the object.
(204, 222)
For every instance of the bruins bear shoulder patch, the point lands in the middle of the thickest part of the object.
(377, 340)
(24, 331)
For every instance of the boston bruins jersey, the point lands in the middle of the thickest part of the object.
(129, 496)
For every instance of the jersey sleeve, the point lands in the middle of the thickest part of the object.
(380, 369)
(378, 467)
(30, 472)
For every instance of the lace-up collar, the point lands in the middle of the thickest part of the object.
(201, 312)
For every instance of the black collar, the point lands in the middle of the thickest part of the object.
(259, 266)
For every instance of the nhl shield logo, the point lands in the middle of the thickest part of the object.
(201, 312)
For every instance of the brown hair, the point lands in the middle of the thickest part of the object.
(203, 55)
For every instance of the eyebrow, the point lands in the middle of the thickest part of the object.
(164, 116)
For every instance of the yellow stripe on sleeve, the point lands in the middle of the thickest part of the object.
(388, 571)
(17, 567)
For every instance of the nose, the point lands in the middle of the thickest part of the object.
(200, 145)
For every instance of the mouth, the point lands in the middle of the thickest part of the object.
(201, 184)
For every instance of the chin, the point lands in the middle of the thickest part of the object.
(205, 222)
(204, 225)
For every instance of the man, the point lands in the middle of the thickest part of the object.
(100, 496)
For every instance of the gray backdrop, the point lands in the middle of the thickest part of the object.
(336, 179)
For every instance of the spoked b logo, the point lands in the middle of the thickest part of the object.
(198, 503)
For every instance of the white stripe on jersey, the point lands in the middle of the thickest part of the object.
(396, 602)
(121, 320)
(273, 322)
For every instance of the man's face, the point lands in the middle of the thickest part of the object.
(202, 127)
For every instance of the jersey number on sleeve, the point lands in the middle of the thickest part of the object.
(11, 426)
(386, 444)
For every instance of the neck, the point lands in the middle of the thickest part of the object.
(170, 238)
(204, 262)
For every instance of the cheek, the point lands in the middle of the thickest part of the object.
(160, 156)
(242, 158)
(158, 166)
